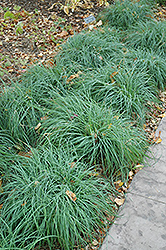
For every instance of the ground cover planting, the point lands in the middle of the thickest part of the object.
(74, 132)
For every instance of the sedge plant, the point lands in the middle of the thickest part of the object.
(87, 51)
(18, 114)
(154, 64)
(52, 199)
(124, 14)
(100, 135)
(126, 88)
(150, 36)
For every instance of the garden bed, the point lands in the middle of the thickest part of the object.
(76, 126)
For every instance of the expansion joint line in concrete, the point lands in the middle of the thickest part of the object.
(147, 197)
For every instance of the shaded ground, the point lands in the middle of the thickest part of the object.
(50, 6)
(35, 31)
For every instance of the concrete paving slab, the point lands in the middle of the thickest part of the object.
(142, 221)
(156, 153)
(141, 226)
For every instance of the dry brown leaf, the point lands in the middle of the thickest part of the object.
(72, 164)
(162, 99)
(95, 243)
(63, 34)
(38, 126)
(24, 203)
(158, 139)
(162, 115)
(71, 195)
(124, 189)
(99, 23)
(131, 173)
(1, 206)
(114, 73)
(44, 118)
(93, 174)
(119, 202)
(36, 182)
(66, 10)
(52, 6)
(25, 154)
(1, 189)
(72, 77)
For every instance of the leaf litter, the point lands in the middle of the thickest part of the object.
(30, 32)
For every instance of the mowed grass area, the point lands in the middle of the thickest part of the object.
(69, 131)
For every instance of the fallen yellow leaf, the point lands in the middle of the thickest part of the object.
(121, 184)
(109, 125)
(159, 140)
(117, 182)
(119, 202)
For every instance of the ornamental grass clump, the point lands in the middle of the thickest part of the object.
(125, 14)
(126, 88)
(39, 82)
(53, 200)
(100, 135)
(129, 91)
(8, 150)
(18, 116)
(87, 51)
(150, 36)
(154, 65)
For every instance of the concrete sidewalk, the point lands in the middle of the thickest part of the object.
(143, 222)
